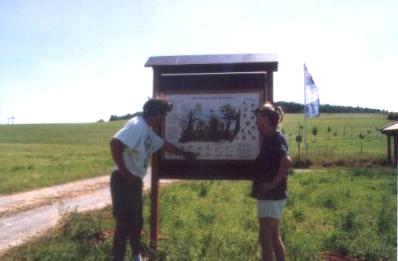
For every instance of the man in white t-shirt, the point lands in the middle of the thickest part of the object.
(131, 149)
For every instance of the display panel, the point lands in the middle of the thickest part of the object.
(218, 126)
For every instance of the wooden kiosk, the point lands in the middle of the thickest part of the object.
(391, 130)
(213, 100)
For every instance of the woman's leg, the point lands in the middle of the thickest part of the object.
(267, 226)
(278, 246)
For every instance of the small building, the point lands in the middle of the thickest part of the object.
(391, 130)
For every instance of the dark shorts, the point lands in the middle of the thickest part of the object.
(126, 198)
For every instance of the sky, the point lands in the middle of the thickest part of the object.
(83, 60)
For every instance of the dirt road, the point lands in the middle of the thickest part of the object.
(29, 214)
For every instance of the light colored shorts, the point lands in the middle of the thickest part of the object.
(270, 208)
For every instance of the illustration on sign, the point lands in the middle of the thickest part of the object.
(217, 126)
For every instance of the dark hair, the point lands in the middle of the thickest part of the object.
(272, 112)
(154, 107)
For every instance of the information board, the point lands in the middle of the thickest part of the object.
(214, 97)
(218, 126)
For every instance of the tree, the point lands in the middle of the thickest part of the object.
(124, 117)
(301, 127)
(292, 107)
(329, 132)
(352, 133)
(361, 137)
(188, 127)
(237, 124)
(392, 116)
(214, 124)
(314, 132)
(228, 114)
(368, 136)
(299, 139)
(335, 138)
(113, 118)
(200, 125)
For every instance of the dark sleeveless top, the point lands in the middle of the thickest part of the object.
(266, 165)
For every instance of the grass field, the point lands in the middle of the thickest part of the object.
(33, 156)
(342, 142)
(350, 212)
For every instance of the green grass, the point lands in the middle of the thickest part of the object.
(39, 155)
(34, 156)
(346, 145)
(351, 212)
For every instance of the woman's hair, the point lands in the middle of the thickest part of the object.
(154, 107)
(272, 112)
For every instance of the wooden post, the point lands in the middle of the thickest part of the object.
(154, 203)
(270, 86)
(155, 176)
(389, 148)
(395, 149)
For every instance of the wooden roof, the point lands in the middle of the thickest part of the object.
(391, 128)
(217, 59)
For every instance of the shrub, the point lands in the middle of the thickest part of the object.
(302, 164)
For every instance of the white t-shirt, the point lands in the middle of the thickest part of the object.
(140, 141)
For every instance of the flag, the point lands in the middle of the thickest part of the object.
(311, 93)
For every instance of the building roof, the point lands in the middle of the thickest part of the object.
(391, 128)
(211, 59)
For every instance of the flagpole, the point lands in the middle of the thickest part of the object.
(305, 121)
(311, 92)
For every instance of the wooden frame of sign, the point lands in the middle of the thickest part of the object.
(213, 101)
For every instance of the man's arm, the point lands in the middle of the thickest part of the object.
(117, 148)
(177, 151)
(283, 168)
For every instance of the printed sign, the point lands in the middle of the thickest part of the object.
(217, 126)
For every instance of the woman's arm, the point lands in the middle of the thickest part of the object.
(283, 168)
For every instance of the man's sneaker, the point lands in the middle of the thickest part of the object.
(137, 258)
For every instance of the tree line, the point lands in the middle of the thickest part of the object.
(293, 107)
(124, 117)
(392, 116)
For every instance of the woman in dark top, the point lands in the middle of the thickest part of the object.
(270, 180)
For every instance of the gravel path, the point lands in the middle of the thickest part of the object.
(32, 213)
